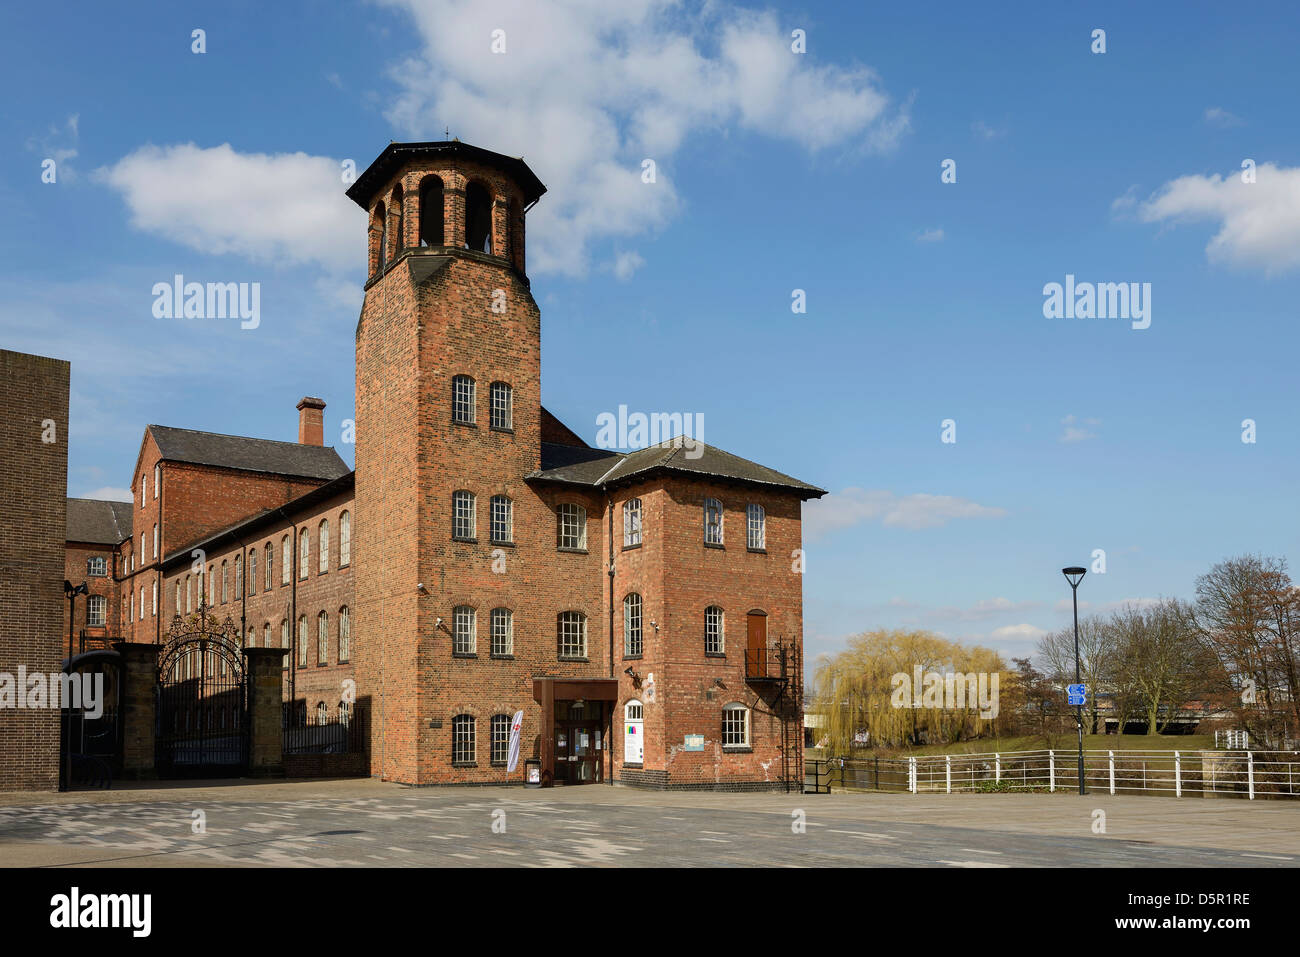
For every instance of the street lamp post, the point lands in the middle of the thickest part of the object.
(1074, 574)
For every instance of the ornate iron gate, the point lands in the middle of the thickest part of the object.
(202, 704)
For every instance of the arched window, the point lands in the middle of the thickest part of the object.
(381, 217)
(463, 400)
(179, 609)
(756, 525)
(464, 630)
(463, 746)
(633, 732)
(155, 539)
(572, 628)
(144, 483)
(239, 575)
(500, 739)
(142, 603)
(303, 640)
(502, 406)
(323, 638)
(478, 218)
(252, 571)
(189, 593)
(503, 520)
(345, 713)
(464, 519)
(345, 539)
(632, 523)
(153, 608)
(735, 726)
(715, 631)
(266, 635)
(157, 479)
(225, 583)
(324, 545)
(345, 634)
(503, 632)
(284, 640)
(268, 554)
(322, 712)
(431, 212)
(399, 221)
(572, 526)
(712, 522)
(304, 553)
(212, 585)
(286, 560)
(632, 643)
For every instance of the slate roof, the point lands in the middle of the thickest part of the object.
(250, 455)
(98, 522)
(600, 468)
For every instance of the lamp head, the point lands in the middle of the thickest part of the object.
(1074, 574)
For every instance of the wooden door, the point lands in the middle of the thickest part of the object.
(756, 645)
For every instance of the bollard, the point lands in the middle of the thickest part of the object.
(947, 773)
(1051, 771)
(997, 767)
(1250, 773)
(1112, 771)
(1178, 775)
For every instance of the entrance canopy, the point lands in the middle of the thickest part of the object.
(574, 750)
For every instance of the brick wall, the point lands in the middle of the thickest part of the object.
(76, 558)
(33, 526)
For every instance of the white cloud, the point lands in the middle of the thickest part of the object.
(110, 494)
(984, 131)
(588, 89)
(854, 506)
(1259, 223)
(285, 208)
(1021, 632)
(930, 236)
(626, 263)
(1078, 430)
(60, 144)
(1217, 116)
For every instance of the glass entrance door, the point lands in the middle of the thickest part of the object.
(579, 746)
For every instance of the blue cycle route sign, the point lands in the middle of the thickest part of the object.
(1078, 694)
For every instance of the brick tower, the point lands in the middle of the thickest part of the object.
(448, 401)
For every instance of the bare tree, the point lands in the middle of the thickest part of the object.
(1248, 613)
(1160, 659)
(1097, 657)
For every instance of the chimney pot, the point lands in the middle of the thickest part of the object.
(311, 421)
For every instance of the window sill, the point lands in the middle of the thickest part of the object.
(496, 657)
(498, 764)
(629, 548)
(572, 551)
(716, 654)
(464, 541)
(757, 551)
(464, 654)
(567, 658)
(721, 548)
(737, 749)
(633, 657)
(501, 544)
(464, 764)
(465, 425)
(501, 428)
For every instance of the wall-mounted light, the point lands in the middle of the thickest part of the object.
(636, 678)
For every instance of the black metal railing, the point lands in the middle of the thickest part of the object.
(767, 664)
(337, 734)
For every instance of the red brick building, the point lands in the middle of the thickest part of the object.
(643, 611)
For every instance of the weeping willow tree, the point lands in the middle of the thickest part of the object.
(909, 687)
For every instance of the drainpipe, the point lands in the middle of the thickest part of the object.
(609, 733)
(293, 624)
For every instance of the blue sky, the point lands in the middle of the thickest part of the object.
(776, 171)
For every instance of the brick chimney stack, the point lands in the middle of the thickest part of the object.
(311, 421)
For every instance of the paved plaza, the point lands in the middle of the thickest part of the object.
(369, 823)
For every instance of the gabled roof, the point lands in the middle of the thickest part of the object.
(599, 468)
(250, 455)
(98, 522)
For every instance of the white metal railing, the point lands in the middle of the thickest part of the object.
(1248, 774)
